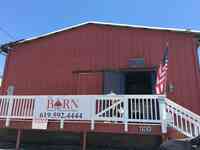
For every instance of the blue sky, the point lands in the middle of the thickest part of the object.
(26, 18)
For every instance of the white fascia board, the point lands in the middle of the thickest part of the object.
(146, 27)
(111, 24)
(50, 33)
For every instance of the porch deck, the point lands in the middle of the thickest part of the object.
(113, 114)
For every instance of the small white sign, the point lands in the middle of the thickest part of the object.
(40, 123)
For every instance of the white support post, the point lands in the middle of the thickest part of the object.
(10, 92)
(10, 105)
(93, 110)
(125, 101)
(62, 120)
(92, 124)
(195, 131)
(163, 114)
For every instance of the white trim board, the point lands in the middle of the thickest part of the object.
(111, 24)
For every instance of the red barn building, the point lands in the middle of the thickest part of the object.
(96, 58)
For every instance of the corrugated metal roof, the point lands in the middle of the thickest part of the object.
(110, 24)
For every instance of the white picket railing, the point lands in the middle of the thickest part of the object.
(123, 109)
(143, 108)
(114, 108)
(109, 108)
(18, 107)
(182, 119)
(128, 109)
(23, 107)
(4, 104)
(136, 108)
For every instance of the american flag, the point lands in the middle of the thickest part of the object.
(161, 80)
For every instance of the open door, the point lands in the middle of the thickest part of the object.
(129, 82)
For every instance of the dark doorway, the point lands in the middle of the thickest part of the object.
(140, 82)
(129, 82)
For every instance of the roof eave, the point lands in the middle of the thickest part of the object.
(8, 46)
(195, 32)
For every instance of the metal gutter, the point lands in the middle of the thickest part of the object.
(7, 46)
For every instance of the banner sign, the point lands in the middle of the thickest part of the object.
(60, 107)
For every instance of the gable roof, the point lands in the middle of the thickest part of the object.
(195, 32)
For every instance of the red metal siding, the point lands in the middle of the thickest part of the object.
(89, 83)
(46, 65)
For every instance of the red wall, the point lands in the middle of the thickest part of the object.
(89, 83)
(50, 65)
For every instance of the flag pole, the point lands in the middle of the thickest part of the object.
(161, 80)
(165, 93)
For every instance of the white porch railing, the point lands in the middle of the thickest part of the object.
(182, 119)
(123, 109)
(136, 108)
(18, 107)
(113, 108)
(4, 103)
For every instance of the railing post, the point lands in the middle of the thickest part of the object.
(10, 105)
(93, 111)
(196, 132)
(163, 114)
(62, 122)
(10, 92)
(125, 100)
